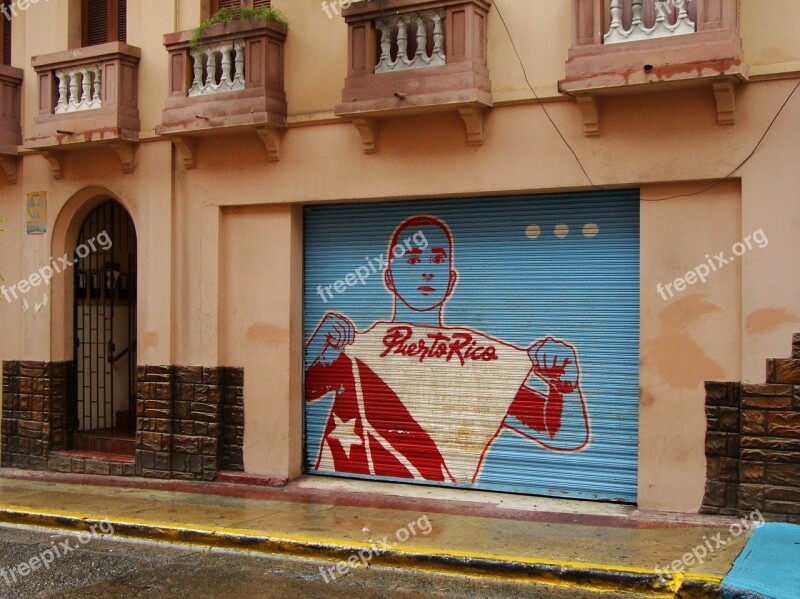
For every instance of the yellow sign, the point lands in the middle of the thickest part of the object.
(37, 212)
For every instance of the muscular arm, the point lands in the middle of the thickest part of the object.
(555, 420)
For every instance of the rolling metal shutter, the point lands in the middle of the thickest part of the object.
(436, 382)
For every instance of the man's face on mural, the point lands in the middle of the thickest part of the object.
(423, 278)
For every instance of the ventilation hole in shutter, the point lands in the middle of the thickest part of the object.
(220, 4)
(262, 3)
(122, 21)
(6, 40)
(97, 20)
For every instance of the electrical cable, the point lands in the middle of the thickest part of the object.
(575, 154)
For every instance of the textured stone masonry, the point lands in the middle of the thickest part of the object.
(753, 443)
(38, 400)
(190, 421)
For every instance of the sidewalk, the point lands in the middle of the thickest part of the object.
(595, 546)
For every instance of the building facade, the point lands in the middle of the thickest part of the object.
(542, 247)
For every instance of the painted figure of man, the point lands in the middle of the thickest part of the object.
(417, 399)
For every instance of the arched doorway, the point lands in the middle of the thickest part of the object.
(105, 331)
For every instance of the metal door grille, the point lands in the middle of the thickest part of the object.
(105, 320)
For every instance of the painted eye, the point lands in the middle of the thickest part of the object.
(437, 259)
(413, 260)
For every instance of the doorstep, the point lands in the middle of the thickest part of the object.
(496, 534)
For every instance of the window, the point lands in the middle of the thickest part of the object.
(216, 5)
(104, 21)
(5, 32)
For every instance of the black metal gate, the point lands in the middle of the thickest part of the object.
(105, 320)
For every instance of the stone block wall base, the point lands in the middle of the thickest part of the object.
(38, 406)
(190, 421)
(753, 444)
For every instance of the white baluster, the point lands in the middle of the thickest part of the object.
(97, 96)
(74, 89)
(197, 69)
(227, 63)
(385, 60)
(86, 96)
(438, 35)
(63, 88)
(615, 32)
(238, 62)
(637, 14)
(422, 41)
(211, 71)
(438, 58)
(402, 42)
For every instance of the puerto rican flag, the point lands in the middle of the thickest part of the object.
(424, 402)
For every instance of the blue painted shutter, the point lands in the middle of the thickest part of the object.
(562, 265)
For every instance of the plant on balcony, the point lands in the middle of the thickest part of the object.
(227, 15)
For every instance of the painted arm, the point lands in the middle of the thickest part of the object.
(330, 368)
(543, 414)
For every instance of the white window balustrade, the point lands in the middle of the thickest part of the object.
(80, 88)
(428, 32)
(671, 18)
(218, 69)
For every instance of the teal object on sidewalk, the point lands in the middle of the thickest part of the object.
(768, 567)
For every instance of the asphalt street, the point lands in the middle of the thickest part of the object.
(115, 568)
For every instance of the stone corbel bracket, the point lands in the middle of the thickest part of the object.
(473, 117)
(368, 131)
(126, 152)
(271, 138)
(186, 146)
(725, 98)
(56, 160)
(9, 163)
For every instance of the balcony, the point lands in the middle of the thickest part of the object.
(88, 97)
(408, 57)
(10, 123)
(634, 46)
(232, 82)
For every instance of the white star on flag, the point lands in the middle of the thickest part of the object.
(345, 433)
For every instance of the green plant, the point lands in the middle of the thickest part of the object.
(226, 15)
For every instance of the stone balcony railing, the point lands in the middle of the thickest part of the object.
(413, 56)
(626, 46)
(233, 80)
(632, 20)
(87, 96)
(10, 121)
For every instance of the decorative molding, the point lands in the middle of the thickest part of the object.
(56, 160)
(187, 150)
(126, 151)
(9, 164)
(368, 130)
(271, 137)
(725, 98)
(590, 111)
(473, 119)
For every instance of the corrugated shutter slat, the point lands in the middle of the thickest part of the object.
(526, 268)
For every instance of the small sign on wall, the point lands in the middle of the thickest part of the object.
(37, 212)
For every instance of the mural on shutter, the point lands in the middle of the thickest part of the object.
(489, 343)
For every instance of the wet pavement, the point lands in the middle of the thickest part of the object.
(452, 532)
(111, 568)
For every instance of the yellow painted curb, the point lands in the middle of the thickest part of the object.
(594, 576)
